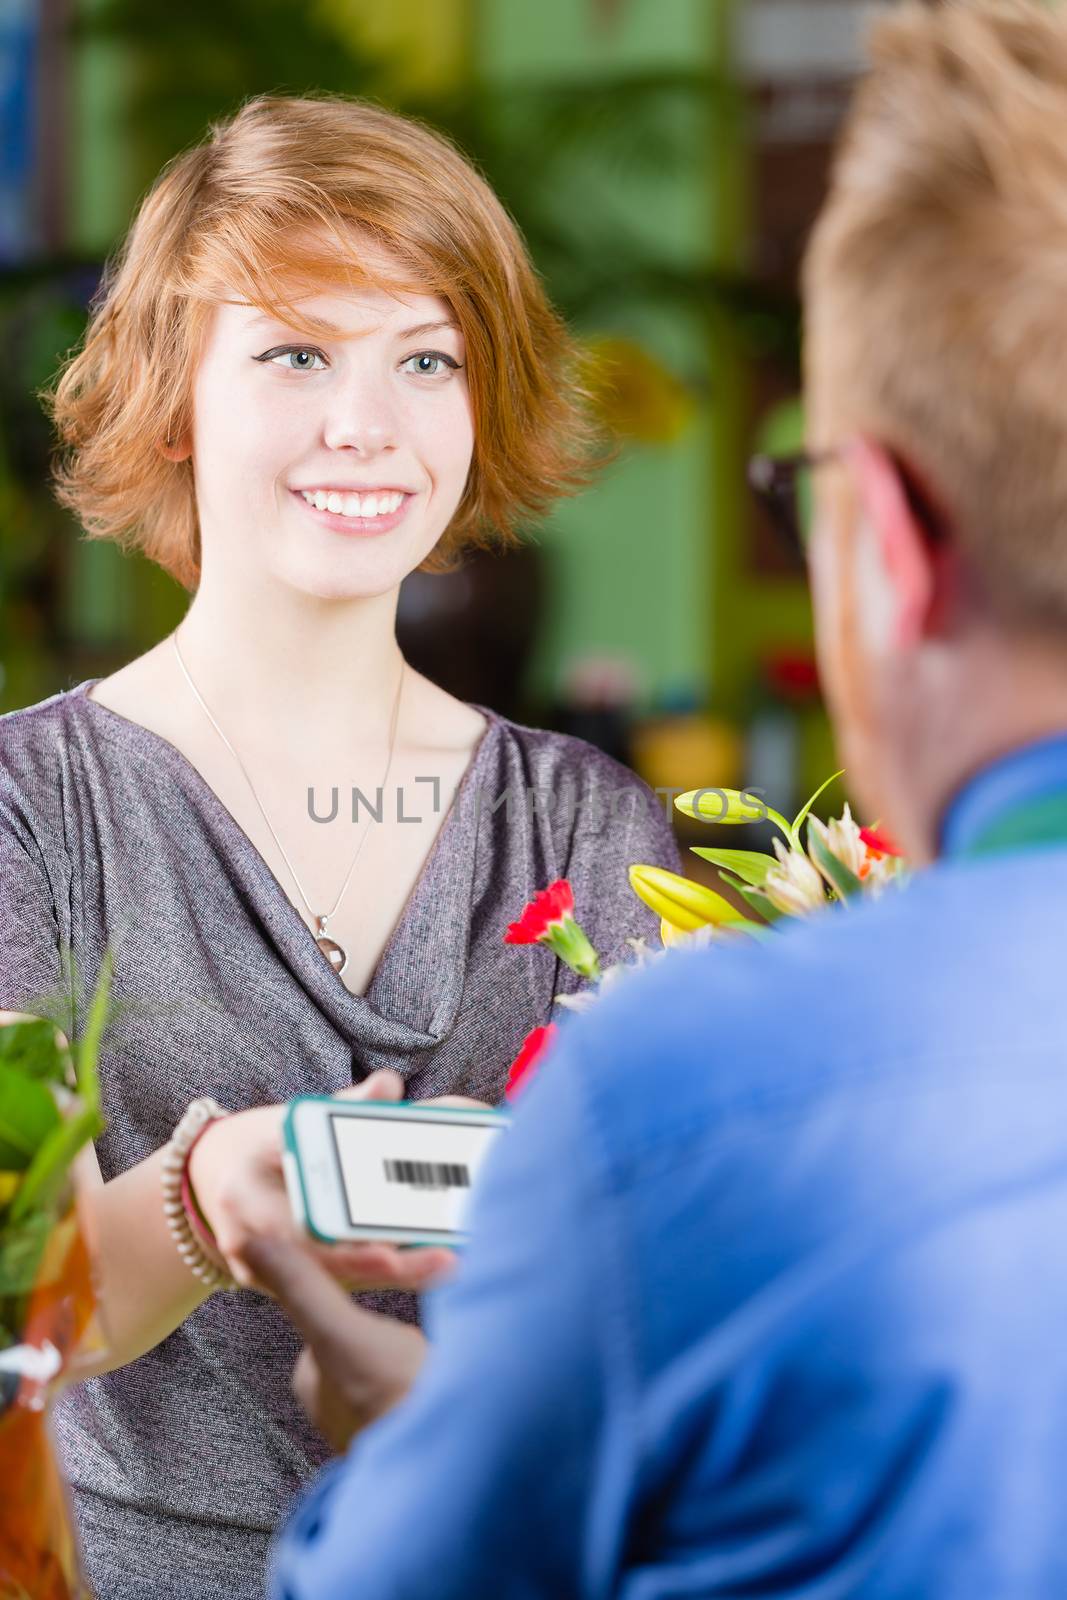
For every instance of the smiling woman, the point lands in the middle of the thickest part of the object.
(320, 361)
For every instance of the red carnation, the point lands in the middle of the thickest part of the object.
(549, 920)
(534, 1047)
(546, 909)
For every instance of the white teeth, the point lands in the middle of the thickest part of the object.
(353, 505)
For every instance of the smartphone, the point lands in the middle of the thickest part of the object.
(395, 1171)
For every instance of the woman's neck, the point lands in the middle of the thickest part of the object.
(321, 675)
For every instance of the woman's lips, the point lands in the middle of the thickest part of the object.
(356, 526)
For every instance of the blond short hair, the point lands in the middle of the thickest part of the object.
(277, 200)
(936, 280)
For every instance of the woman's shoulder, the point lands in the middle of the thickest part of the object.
(31, 737)
(594, 796)
(565, 753)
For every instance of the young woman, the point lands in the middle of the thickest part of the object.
(322, 360)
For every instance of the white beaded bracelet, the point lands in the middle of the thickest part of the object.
(196, 1118)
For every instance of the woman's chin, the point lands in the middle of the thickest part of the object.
(323, 581)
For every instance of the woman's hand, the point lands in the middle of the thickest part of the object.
(236, 1175)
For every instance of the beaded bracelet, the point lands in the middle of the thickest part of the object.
(195, 1120)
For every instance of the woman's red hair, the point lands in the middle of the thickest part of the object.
(274, 204)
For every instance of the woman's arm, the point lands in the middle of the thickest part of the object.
(144, 1287)
(146, 1290)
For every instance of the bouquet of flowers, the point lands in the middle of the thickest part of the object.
(49, 1109)
(841, 860)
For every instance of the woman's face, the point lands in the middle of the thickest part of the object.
(331, 465)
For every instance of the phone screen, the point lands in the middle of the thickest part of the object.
(400, 1172)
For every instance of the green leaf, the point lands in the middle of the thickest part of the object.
(28, 1114)
(46, 1179)
(756, 930)
(88, 1046)
(30, 1049)
(751, 865)
(21, 1249)
(794, 831)
(761, 903)
(843, 880)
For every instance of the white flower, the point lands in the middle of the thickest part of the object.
(882, 871)
(842, 839)
(794, 886)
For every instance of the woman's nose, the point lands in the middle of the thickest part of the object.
(363, 419)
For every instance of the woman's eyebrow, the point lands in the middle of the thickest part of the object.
(429, 327)
(416, 332)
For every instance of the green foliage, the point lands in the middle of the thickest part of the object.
(48, 1111)
(752, 866)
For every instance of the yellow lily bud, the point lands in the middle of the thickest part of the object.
(681, 902)
(722, 805)
(9, 1182)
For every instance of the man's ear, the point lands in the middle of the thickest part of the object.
(904, 568)
(176, 449)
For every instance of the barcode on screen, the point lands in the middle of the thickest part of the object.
(428, 1174)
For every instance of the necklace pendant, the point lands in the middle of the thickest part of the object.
(334, 953)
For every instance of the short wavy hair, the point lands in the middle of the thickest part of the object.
(936, 280)
(274, 204)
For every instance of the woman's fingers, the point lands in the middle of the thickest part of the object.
(383, 1266)
(458, 1100)
(385, 1084)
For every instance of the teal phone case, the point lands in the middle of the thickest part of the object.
(297, 1186)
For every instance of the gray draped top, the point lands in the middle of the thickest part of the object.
(183, 1462)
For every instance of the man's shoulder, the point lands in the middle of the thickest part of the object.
(768, 1028)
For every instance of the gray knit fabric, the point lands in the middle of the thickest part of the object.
(183, 1462)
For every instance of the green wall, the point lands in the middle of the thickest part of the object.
(631, 559)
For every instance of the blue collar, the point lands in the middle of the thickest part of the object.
(1026, 777)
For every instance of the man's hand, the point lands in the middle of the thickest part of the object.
(357, 1364)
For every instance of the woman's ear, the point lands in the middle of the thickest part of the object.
(176, 450)
(901, 576)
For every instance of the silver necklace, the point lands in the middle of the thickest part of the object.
(334, 953)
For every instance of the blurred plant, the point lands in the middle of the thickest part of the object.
(49, 1110)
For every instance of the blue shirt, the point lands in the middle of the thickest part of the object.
(767, 1291)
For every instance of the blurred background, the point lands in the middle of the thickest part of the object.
(664, 159)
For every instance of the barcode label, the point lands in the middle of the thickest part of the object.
(428, 1174)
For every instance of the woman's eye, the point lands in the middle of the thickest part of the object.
(297, 357)
(430, 363)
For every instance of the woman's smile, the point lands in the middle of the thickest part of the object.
(346, 511)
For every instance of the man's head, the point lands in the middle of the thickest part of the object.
(936, 373)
